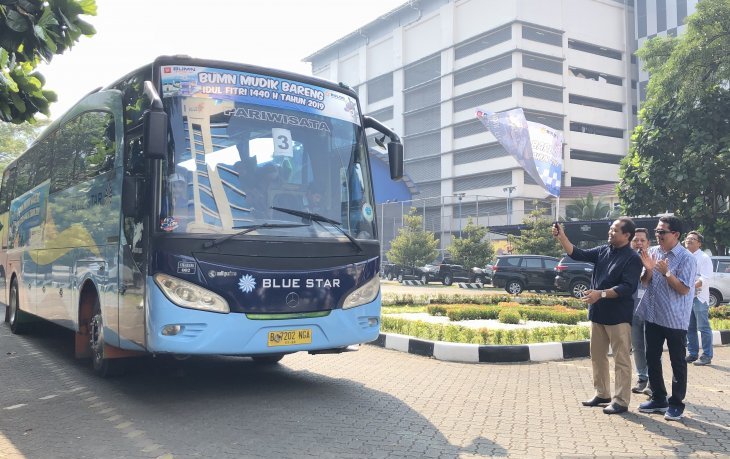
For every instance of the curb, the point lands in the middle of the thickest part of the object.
(494, 353)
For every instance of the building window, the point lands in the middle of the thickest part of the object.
(483, 181)
(661, 15)
(482, 69)
(422, 96)
(597, 130)
(542, 92)
(596, 76)
(542, 63)
(483, 41)
(597, 103)
(422, 145)
(577, 181)
(642, 90)
(468, 128)
(480, 98)
(681, 11)
(480, 153)
(425, 170)
(594, 49)
(422, 120)
(595, 157)
(541, 35)
(384, 114)
(641, 17)
(422, 71)
(550, 120)
(380, 88)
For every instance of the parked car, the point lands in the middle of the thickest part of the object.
(573, 276)
(516, 273)
(720, 281)
(389, 270)
(482, 275)
(448, 273)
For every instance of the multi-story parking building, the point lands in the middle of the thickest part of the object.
(659, 18)
(425, 68)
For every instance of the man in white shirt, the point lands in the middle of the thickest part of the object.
(699, 320)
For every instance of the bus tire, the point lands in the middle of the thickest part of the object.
(102, 366)
(267, 359)
(16, 318)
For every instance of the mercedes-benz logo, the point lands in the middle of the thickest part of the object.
(292, 300)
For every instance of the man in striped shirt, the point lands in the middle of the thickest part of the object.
(669, 276)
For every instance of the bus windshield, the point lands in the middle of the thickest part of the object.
(244, 144)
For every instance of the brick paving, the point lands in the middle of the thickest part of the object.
(372, 403)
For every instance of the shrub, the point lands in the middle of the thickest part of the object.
(507, 316)
(720, 312)
(436, 310)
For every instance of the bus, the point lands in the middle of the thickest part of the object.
(198, 207)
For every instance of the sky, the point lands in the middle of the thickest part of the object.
(269, 33)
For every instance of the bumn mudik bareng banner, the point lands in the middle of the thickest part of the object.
(536, 147)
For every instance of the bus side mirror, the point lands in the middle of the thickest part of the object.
(395, 160)
(155, 134)
(395, 147)
(155, 125)
(131, 191)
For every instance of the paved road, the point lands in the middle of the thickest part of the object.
(372, 403)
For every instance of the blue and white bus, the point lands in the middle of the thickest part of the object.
(197, 207)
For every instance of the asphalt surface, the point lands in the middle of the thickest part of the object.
(371, 403)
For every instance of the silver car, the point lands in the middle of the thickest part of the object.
(720, 281)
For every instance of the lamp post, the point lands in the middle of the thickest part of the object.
(509, 190)
(460, 196)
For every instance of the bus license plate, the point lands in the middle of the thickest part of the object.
(289, 337)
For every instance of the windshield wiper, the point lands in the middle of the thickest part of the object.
(248, 229)
(319, 219)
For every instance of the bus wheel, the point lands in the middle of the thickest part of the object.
(102, 366)
(16, 317)
(267, 359)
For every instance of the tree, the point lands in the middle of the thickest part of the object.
(472, 249)
(31, 32)
(536, 238)
(413, 246)
(679, 160)
(587, 209)
(15, 139)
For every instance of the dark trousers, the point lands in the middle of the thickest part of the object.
(676, 339)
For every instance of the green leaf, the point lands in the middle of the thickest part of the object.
(17, 21)
(88, 7)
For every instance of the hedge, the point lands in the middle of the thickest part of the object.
(460, 334)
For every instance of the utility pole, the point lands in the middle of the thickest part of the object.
(509, 190)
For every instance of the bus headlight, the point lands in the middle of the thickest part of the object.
(188, 295)
(365, 294)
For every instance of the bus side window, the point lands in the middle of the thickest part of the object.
(95, 145)
(24, 180)
(6, 192)
(63, 158)
(43, 160)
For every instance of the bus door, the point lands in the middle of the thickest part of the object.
(132, 255)
(6, 192)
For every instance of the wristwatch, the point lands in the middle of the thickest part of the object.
(603, 294)
(668, 274)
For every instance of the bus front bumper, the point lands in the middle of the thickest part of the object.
(208, 333)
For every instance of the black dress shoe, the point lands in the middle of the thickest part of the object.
(596, 401)
(615, 408)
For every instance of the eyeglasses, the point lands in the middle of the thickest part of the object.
(662, 232)
(690, 239)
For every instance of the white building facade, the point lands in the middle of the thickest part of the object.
(425, 68)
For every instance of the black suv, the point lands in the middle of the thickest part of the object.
(516, 273)
(573, 276)
(448, 273)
